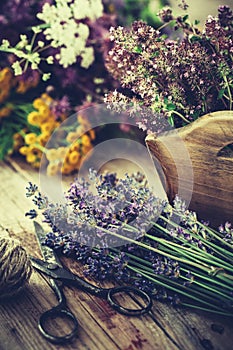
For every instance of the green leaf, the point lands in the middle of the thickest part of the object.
(137, 49)
(6, 145)
(170, 107)
(185, 17)
(171, 120)
(221, 93)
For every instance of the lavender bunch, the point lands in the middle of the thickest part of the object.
(121, 231)
(179, 77)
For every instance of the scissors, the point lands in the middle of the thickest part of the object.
(59, 276)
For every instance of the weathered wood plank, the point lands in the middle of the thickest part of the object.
(100, 327)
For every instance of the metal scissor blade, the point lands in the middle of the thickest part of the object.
(47, 253)
(48, 268)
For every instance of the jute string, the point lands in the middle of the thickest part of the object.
(15, 267)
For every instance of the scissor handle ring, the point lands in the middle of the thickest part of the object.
(55, 312)
(141, 310)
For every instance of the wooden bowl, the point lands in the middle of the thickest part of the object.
(197, 165)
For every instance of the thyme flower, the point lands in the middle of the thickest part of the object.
(178, 77)
(121, 231)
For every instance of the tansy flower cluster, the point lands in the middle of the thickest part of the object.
(44, 122)
(26, 127)
(13, 107)
(67, 159)
(48, 115)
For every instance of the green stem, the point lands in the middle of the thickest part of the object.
(182, 117)
(215, 235)
(173, 286)
(229, 92)
(219, 250)
(204, 256)
(143, 245)
(208, 310)
(211, 290)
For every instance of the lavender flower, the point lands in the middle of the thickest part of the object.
(122, 232)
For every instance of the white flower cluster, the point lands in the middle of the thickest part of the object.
(65, 32)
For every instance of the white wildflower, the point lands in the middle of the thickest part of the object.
(67, 56)
(40, 43)
(5, 44)
(48, 14)
(50, 59)
(92, 9)
(87, 57)
(83, 31)
(17, 68)
(36, 29)
(46, 76)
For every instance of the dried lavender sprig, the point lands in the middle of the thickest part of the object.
(67, 240)
(225, 254)
(147, 265)
(205, 256)
(160, 280)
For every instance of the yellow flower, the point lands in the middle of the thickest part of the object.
(45, 112)
(24, 150)
(62, 151)
(43, 138)
(52, 169)
(72, 136)
(92, 134)
(83, 120)
(86, 149)
(66, 169)
(5, 111)
(48, 126)
(52, 154)
(31, 157)
(47, 99)
(30, 138)
(38, 102)
(37, 152)
(75, 147)
(36, 164)
(33, 118)
(85, 140)
(74, 157)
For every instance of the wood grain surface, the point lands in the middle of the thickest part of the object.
(196, 165)
(101, 328)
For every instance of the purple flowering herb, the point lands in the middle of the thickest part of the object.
(184, 263)
(60, 107)
(177, 78)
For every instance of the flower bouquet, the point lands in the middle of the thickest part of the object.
(181, 82)
(121, 231)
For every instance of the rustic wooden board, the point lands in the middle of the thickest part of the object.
(100, 327)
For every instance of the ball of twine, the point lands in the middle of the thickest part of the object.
(15, 267)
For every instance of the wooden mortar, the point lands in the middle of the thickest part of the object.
(206, 178)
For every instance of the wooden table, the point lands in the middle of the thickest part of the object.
(100, 327)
